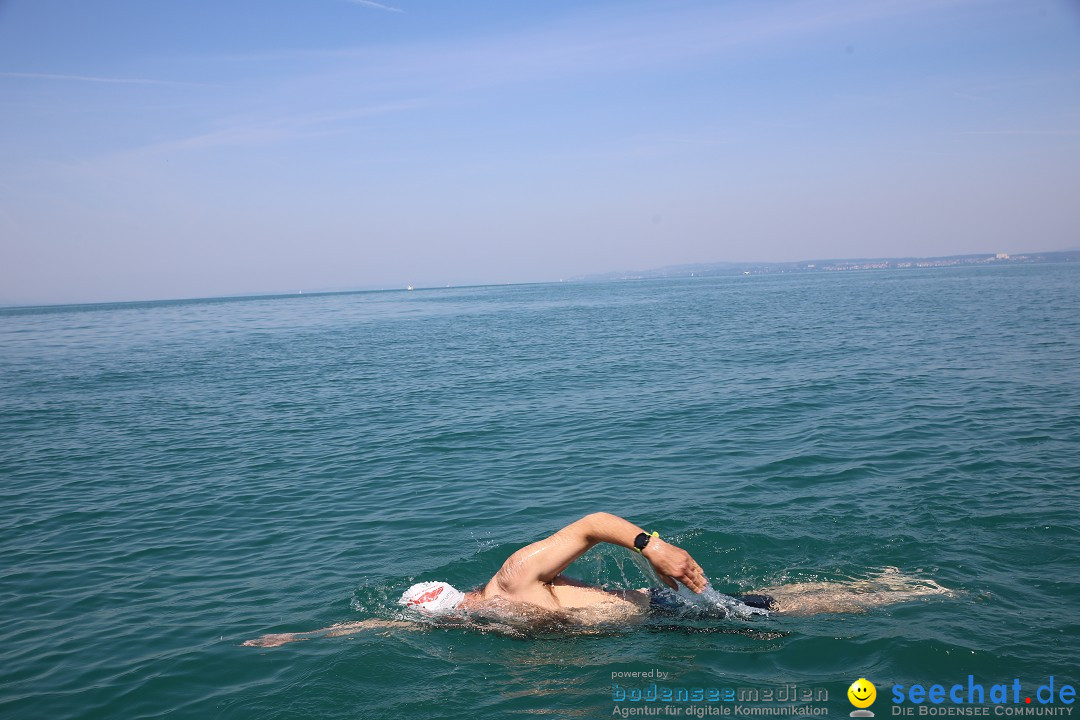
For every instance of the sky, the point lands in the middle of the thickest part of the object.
(154, 149)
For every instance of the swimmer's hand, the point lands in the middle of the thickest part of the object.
(673, 563)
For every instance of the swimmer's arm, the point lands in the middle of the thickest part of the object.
(339, 630)
(544, 560)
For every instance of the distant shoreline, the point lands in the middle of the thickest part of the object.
(834, 265)
(717, 269)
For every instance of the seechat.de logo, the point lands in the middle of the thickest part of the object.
(862, 694)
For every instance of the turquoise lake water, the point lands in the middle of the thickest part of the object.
(178, 477)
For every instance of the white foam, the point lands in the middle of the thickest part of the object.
(711, 602)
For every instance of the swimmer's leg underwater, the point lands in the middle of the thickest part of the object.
(886, 588)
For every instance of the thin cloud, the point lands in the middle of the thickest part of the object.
(92, 79)
(376, 5)
(271, 130)
(595, 42)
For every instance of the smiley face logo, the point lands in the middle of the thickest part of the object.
(862, 693)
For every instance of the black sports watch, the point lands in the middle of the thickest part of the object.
(643, 539)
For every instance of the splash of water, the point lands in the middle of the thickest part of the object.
(707, 604)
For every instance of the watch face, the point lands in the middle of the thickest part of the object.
(641, 541)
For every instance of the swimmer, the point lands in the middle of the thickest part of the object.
(531, 582)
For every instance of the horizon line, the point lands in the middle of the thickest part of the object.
(602, 277)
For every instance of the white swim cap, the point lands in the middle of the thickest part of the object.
(434, 597)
